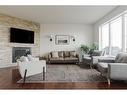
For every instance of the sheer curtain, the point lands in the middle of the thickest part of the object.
(116, 36)
(105, 38)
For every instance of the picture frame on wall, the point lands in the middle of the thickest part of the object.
(62, 39)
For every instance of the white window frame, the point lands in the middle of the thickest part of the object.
(110, 34)
(100, 36)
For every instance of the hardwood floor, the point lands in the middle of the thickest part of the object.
(9, 77)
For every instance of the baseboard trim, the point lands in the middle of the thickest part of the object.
(7, 65)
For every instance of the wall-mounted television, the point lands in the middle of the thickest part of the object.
(21, 36)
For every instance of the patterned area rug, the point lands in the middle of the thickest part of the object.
(67, 73)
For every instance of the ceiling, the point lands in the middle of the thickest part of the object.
(58, 14)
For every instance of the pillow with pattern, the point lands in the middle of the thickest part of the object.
(55, 54)
(73, 53)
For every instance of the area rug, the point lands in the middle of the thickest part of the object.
(66, 73)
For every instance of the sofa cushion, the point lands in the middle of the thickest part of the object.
(56, 59)
(60, 53)
(70, 59)
(55, 54)
(30, 57)
(121, 58)
(87, 57)
(72, 54)
(66, 54)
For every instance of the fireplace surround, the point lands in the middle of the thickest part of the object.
(19, 51)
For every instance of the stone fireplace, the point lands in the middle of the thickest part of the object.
(17, 52)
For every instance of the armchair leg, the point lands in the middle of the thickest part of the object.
(43, 73)
(24, 79)
(109, 82)
(91, 67)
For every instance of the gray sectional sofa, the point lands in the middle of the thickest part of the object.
(114, 68)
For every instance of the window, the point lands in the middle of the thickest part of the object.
(125, 27)
(113, 35)
(116, 35)
(105, 36)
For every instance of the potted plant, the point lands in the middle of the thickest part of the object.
(88, 50)
(84, 49)
(92, 48)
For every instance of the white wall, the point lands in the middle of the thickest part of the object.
(106, 18)
(83, 35)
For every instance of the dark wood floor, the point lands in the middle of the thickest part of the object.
(9, 77)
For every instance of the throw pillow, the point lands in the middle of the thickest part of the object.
(30, 57)
(67, 54)
(60, 53)
(24, 59)
(121, 58)
(117, 58)
(73, 54)
(55, 54)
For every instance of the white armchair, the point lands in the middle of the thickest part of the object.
(30, 68)
(93, 59)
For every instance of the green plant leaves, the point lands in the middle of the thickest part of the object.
(89, 49)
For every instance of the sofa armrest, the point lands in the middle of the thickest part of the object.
(77, 55)
(106, 59)
(117, 71)
(95, 59)
(49, 56)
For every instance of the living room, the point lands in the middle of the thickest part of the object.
(59, 32)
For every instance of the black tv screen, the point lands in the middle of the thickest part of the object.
(21, 36)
